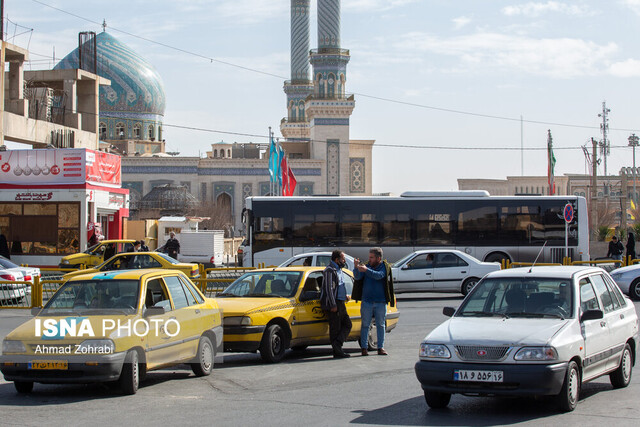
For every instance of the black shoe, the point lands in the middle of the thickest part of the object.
(341, 355)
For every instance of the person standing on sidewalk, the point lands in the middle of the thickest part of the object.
(374, 287)
(631, 247)
(172, 247)
(615, 249)
(333, 297)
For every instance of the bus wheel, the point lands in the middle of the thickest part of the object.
(496, 257)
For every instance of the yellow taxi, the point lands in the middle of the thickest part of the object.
(138, 261)
(97, 254)
(114, 327)
(271, 310)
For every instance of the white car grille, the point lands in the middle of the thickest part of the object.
(478, 353)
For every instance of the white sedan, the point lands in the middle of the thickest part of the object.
(28, 273)
(628, 279)
(541, 331)
(315, 259)
(442, 270)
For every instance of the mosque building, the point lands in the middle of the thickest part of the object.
(132, 107)
(315, 131)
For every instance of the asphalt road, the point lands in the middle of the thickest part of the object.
(306, 389)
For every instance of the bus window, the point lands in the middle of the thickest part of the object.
(477, 224)
(314, 230)
(434, 229)
(396, 230)
(360, 229)
(521, 225)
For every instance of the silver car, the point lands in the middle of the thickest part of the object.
(628, 279)
(541, 331)
(440, 270)
(315, 259)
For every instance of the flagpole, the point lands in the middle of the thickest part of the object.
(270, 154)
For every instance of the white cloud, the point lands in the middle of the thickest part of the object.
(634, 5)
(460, 22)
(374, 5)
(556, 58)
(534, 9)
(628, 68)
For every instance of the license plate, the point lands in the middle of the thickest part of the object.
(478, 376)
(49, 364)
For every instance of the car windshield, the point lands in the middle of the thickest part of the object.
(89, 296)
(167, 258)
(265, 284)
(520, 297)
(91, 249)
(402, 260)
(5, 263)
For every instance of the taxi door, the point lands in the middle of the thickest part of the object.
(187, 315)
(161, 346)
(311, 321)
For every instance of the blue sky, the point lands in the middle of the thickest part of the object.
(550, 61)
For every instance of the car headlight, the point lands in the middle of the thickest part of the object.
(96, 347)
(65, 261)
(12, 346)
(434, 351)
(536, 354)
(237, 321)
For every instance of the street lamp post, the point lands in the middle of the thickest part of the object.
(633, 142)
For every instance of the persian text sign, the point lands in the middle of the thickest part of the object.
(59, 167)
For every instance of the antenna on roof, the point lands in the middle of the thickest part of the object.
(539, 253)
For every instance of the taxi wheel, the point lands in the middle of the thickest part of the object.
(130, 375)
(437, 400)
(372, 340)
(23, 386)
(621, 377)
(274, 344)
(570, 393)
(205, 357)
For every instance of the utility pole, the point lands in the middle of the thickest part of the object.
(2, 58)
(594, 184)
(605, 147)
(634, 142)
(521, 146)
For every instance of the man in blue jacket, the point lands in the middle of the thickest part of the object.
(374, 287)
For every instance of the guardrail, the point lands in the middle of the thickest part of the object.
(505, 263)
(38, 292)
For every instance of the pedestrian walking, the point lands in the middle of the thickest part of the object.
(172, 247)
(373, 286)
(631, 247)
(333, 299)
(615, 249)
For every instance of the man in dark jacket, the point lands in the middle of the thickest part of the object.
(172, 247)
(374, 287)
(333, 297)
(615, 249)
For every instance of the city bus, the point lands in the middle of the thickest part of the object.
(489, 228)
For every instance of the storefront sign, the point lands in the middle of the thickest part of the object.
(33, 197)
(59, 166)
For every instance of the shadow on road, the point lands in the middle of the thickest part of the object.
(406, 298)
(62, 394)
(313, 354)
(465, 411)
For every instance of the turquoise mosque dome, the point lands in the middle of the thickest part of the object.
(133, 106)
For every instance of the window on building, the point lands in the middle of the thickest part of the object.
(41, 228)
(120, 134)
(137, 131)
(102, 129)
(150, 132)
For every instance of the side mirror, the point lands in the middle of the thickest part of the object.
(405, 267)
(309, 296)
(153, 311)
(591, 315)
(448, 311)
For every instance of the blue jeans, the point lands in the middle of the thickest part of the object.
(367, 311)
